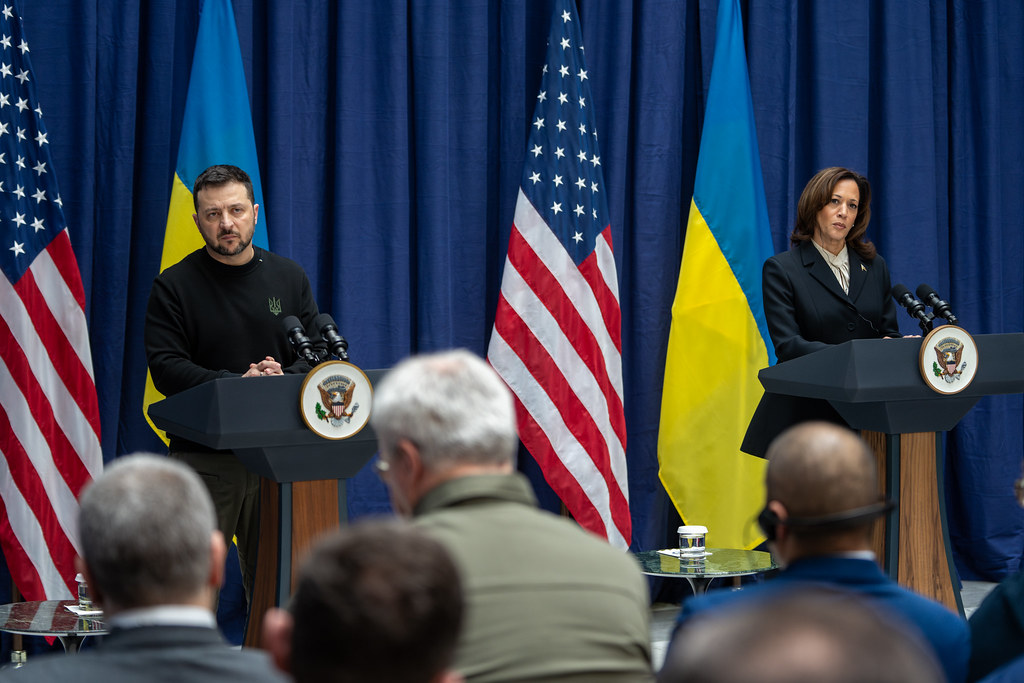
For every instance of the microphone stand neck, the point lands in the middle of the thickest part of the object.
(926, 321)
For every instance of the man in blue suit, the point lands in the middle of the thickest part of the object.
(822, 498)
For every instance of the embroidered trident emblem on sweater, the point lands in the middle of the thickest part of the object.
(275, 305)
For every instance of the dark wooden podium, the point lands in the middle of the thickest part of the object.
(876, 387)
(302, 494)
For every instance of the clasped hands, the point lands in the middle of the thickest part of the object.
(267, 366)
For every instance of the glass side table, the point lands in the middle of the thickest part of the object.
(50, 618)
(718, 563)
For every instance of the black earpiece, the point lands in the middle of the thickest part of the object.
(769, 520)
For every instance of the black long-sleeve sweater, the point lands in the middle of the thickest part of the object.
(206, 319)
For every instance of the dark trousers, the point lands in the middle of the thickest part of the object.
(236, 498)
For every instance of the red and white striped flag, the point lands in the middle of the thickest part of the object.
(49, 416)
(557, 333)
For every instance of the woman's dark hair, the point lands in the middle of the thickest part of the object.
(818, 193)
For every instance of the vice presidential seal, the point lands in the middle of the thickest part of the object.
(949, 367)
(948, 359)
(336, 399)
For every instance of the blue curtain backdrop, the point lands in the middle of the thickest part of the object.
(391, 138)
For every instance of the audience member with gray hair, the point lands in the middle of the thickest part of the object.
(153, 559)
(816, 635)
(545, 600)
(378, 602)
(453, 406)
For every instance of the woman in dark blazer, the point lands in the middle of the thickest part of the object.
(831, 287)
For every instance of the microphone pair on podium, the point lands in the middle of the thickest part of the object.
(916, 307)
(303, 345)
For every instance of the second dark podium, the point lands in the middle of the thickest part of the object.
(876, 387)
(302, 495)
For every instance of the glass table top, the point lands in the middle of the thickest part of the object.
(48, 618)
(718, 562)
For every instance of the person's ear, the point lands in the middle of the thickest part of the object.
(255, 213)
(218, 554)
(277, 627)
(407, 454)
(781, 515)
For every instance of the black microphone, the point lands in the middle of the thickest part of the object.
(914, 307)
(299, 341)
(329, 332)
(940, 307)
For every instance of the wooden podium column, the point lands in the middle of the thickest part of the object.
(292, 516)
(913, 543)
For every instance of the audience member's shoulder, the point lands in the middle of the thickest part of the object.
(568, 535)
(935, 611)
(1009, 593)
(1008, 673)
(723, 598)
(48, 667)
(101, 666)
(258, 667)
(997, 627)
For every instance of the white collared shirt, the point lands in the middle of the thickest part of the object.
(163, 615)
(839, 263)
(856, 555)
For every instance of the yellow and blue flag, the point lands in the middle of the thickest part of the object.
(216, 129)
(719, 338)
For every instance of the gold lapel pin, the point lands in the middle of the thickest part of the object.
(863, 267)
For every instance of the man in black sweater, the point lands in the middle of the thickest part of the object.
(217, 313)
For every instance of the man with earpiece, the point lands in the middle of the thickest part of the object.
(822, 500)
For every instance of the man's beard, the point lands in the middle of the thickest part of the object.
(240, 246)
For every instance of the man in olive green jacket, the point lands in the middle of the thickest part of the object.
(546, 600)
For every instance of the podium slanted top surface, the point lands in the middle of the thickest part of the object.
(876, 384)
(259, 419)
(870, 370)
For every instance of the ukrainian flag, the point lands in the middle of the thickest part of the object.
(216, 129)
(719, 338)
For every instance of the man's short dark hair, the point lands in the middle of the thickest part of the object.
(379, 602)
(218, 175)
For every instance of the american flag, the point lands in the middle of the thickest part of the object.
(49, 417)
(557, 333)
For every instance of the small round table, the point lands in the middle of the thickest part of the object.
(718, 563)
(50, 618)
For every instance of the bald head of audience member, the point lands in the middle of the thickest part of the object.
(379, 602)
(810, 636)
(439, 417)
(149, 537)
(821, 471)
